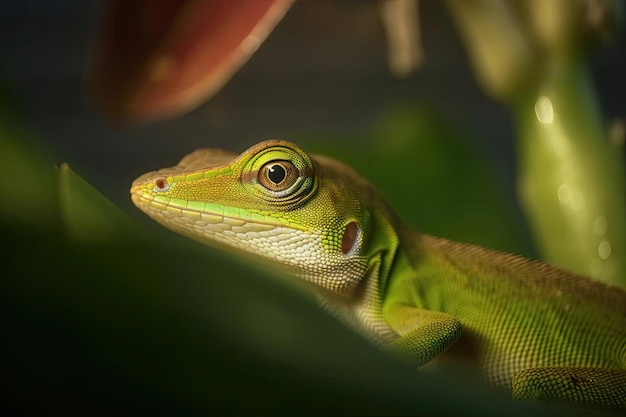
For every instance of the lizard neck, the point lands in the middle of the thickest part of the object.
(363, 309)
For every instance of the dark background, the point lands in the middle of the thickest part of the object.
(323, 68)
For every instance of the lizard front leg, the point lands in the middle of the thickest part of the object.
(424, 334)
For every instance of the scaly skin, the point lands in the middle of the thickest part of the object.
(536, 330)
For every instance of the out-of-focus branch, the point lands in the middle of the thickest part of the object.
(503, 58)
(572, 181)
(400, 19)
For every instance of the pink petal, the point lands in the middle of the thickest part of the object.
(158, 59)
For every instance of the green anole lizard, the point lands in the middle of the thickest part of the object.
(536, 330)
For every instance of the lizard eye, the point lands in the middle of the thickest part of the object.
(161, 185)
(278, 175)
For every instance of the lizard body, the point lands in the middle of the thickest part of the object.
(526, 326)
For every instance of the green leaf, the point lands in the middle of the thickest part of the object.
(87, 214)
(155, 326)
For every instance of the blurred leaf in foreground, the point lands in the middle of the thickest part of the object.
(86, 213)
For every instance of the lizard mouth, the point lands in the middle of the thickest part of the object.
(161, 208)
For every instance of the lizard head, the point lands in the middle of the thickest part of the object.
(311, 215)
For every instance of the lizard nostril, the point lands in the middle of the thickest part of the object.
(160, 184)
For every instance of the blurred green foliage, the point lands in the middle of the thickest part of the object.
(534, 57)
(571, 178)
(434, 176)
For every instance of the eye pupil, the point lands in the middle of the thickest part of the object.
(276, 173)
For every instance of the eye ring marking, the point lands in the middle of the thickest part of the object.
(161, 185)
(278, 175)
